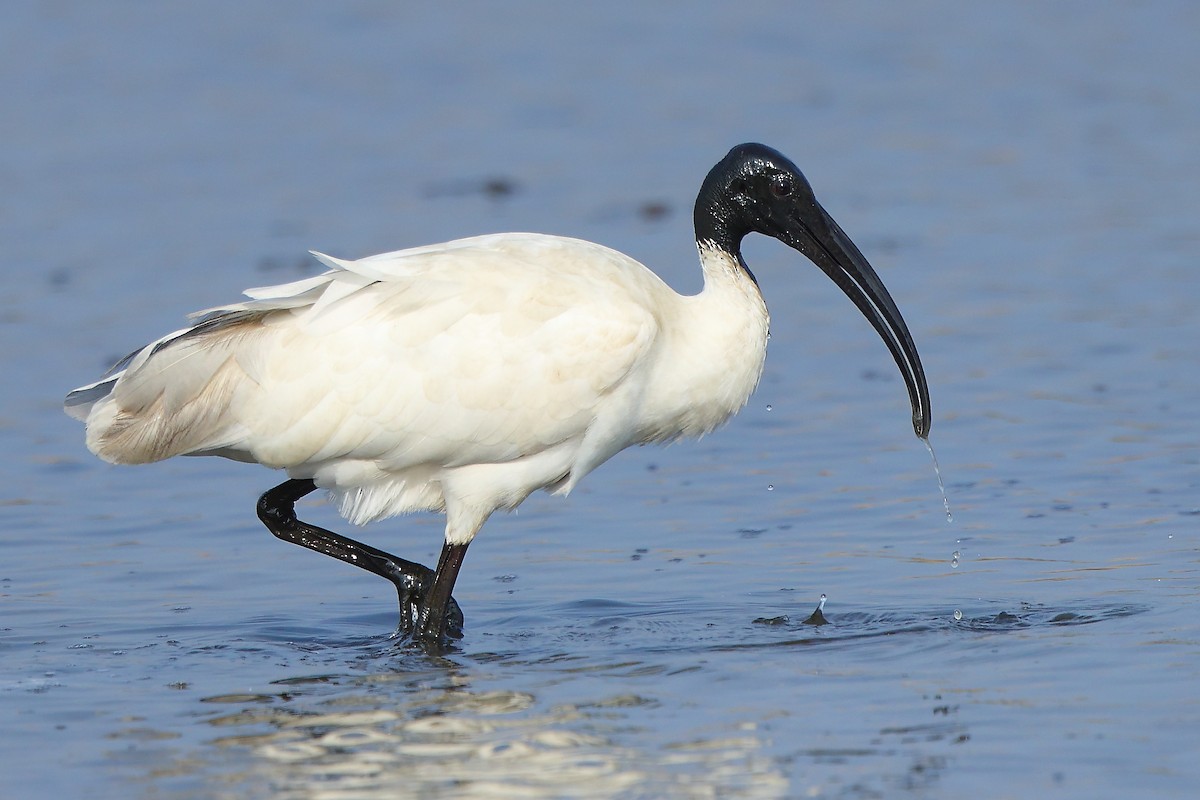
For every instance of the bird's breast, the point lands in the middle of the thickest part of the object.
(710, 362)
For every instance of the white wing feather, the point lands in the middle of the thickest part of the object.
(399, 380)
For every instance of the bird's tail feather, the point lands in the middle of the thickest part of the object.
(172, 397)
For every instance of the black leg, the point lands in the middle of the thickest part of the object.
(277, 510)
(441, 615)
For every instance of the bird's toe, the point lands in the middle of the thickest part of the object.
(415, 617)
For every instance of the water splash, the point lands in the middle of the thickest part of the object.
(937, 470)
(817, 617)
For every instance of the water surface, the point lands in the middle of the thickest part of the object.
(1024, 180)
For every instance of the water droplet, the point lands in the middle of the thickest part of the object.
(954, 560)
(938, 471)
(768, 406)
(770, 487)
(957, 615)
(821, 603)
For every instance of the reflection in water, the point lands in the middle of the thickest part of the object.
(421, 727)
(371, 740)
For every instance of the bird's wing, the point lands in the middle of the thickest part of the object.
(480, 351)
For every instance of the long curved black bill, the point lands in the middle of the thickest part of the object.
(820, 238)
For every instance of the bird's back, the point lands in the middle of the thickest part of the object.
(383, 376)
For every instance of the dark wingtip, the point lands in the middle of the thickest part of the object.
(79, 402)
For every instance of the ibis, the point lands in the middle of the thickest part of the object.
(461, 377)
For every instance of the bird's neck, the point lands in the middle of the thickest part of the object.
(717, 345)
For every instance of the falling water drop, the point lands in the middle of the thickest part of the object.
(957, 615)
(768, 407)
(938, 471)
(954, 560)
(770, 487)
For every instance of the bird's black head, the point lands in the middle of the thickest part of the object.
(755, 189)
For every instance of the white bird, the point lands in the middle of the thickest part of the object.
(461, 377)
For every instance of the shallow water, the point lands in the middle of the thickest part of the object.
(1024, 180)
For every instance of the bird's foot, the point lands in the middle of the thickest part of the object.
(415, 615)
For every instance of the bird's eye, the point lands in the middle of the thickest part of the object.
(781, 186)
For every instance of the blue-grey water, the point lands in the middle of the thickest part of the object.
(1025, 178)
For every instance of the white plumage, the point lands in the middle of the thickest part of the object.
(461, 377)
(457, 378)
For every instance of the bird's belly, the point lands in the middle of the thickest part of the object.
(367, 490)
